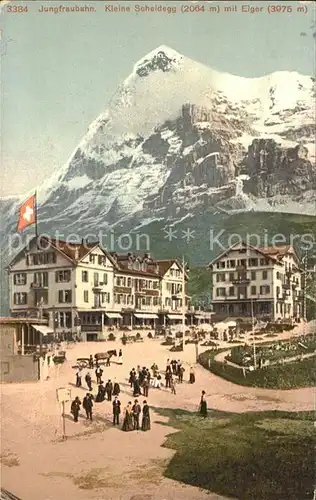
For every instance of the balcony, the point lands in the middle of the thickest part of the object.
(243, 280)
(39, 286)
(127, 309)
(163, 310)
(123, 289)
(150, 291)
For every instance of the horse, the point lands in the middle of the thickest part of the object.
(105, 356)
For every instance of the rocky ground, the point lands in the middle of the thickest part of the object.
(98, 461)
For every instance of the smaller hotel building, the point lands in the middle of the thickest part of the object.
(85, 289)
(265, 282)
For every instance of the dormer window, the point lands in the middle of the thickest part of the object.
(136, 265)
(144, 266)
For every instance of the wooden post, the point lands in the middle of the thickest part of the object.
(22, 339)
(64, 421)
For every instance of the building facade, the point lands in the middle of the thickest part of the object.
(264, 282)
(83, 288)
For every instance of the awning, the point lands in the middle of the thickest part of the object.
(43, 329)
(113, 315)
(175, 316)
(146, 316)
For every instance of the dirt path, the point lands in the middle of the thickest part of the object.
(98, 461)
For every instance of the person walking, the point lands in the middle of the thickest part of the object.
(79, 377)
(146, 417)
(192, 375)
(120, 357)
(145, 388)
(87, 404)
(91, 362)
(203, 405)
(116, 411)
(88, 381)
(136, 409)
(173, 385)
(116, 388)
(109, 390)
(98, 374)
(75, 408)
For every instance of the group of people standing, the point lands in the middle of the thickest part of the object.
(140, 381)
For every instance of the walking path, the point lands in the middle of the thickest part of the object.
(98, 461)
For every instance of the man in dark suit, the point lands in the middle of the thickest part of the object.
(116, 411)
(136, 414)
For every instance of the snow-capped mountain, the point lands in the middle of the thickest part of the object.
(179, 138)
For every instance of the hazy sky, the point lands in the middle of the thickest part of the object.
(60, 70)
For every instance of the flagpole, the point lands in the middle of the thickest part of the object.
(35, 206)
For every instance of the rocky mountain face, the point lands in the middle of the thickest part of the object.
(180, 139)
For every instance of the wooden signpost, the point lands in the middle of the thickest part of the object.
(63, 396)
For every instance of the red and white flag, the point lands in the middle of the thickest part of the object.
(27, 213)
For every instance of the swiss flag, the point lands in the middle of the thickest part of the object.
(27, 213)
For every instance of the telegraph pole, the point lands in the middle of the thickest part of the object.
(183, 301)
(253, 337)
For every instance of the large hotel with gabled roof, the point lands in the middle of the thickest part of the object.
(84, 287)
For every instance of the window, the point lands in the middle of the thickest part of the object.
(264, 275)
(221, 292)
(86, 296)
(221, 265)
(278, 291)
(136, 265)
(102, 260)
(278, 276)
(41, 279)
(253, 275)
(265, 290)
(220, 277)
(253, 290)
(105, 297)
(231, 291)
(37, 259)
(155, 301)
(243, 250)
(64, 319)
(85, 276)
(19, 279)
(105, 279)
(20, 299)
(64, 296)
(253, 262)
(92, 258)
(96, 279)
(129, 282)
(62, 276)
(242, 263)
(231, 276)
(231, 263)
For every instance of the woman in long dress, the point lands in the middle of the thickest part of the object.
(203, 405)
(128, 424)
(120, 357)
(146, 417)
(192, 375)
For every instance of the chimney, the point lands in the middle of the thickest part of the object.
(76, 253)
(82, 241)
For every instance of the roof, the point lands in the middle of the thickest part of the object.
(275, 252)
(164, 265)
(75, 252)
(5, 321)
